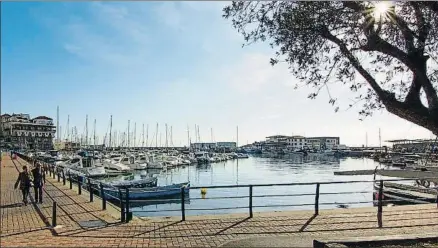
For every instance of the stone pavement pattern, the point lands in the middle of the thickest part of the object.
(23, 228)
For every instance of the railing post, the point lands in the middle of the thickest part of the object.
(63, 178)
(250, 201)
(183, 207)
(79, 187)
(102, 194)
(128, 213)
(90, 189)
(59, 176)
(70, 181)
(53, 174)
(317, 199)
(54, 214)
(380, 205)
(122, 207)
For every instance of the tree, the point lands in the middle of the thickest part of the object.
(386, 52)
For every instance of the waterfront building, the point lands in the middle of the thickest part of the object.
(415, 145)
(322, 142)
(21, 132)
(227, 145)
(203, 145)
(297, 142)
(67, 145)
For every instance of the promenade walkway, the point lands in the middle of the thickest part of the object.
(30, 225)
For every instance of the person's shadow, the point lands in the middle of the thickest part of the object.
(14, 205)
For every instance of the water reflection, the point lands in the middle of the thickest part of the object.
(262, 170)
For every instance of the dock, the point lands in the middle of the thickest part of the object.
(84, 223)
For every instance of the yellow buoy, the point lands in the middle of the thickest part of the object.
(203, 191)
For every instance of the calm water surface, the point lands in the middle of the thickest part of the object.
(260, 170)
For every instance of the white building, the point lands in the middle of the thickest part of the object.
(297, 142)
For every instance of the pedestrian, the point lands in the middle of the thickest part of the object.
(25, 183)
(38, 182)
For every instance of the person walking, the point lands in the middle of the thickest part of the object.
(38, 182)
(25, 183)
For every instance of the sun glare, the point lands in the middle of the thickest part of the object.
(381, 9)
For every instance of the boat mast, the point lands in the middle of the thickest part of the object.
(111, 128)
(128, 144)
(86, 130)
(156, 137)
(94, 133)
(142, 142)
(237, 137)
(68, 128)
(211, 134)
(135, 134)
(57, 123)
(166, 137)
(188, 137)
(171, 136)
(380, 140)
(147, 134)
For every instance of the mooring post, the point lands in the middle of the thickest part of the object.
(380, 205)
(54, 214)
(102, 194)
(250, 201)
(70, 181)
(128, 213)
(90, 189)
(317, 199)
(122, 207)
(79, 187)
(183, 207)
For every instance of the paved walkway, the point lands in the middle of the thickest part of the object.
(28, 226)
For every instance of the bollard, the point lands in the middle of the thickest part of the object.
(63, 178)
(317, 199)
(102, 194)
(380, 205)
(54, 214)
(79, 187)
(122, 207)
(128, 213)
(183, 207)
(250, 201)
(90, 189)
(70, 181)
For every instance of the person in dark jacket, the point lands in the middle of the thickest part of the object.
(25, 183)
(38, 182)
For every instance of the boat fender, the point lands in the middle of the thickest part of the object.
(203, 191)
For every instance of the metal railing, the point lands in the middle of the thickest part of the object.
(124, 201)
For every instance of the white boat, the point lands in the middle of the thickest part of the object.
(83, 166)
(116, 165)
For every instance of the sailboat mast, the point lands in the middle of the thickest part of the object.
(94, 133)
(128, 143)
(111, 128)
(156, 136)
(171, 136)
(142, 142)
(188, 137)
(147, 134)
(380, 140)
(86, 130)
(57, 123)
(68, 128)
(135, 134)
(237, 136)
(211, 134)
(167, 145)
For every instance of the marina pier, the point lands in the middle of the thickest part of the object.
(81, 220)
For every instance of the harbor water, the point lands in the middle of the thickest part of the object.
(262, 170)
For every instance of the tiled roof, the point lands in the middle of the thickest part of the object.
(42, 118)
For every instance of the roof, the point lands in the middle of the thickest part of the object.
(277, 136)
(5, 115)
(42, 118)
(410, 140)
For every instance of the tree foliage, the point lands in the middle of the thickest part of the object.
(390, 59)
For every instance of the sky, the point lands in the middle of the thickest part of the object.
(174, 63)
